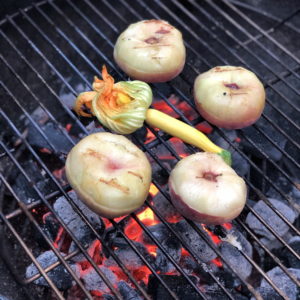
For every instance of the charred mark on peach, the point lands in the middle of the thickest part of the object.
(94, 153)
(162, 31)
(136, 174)
(232, 86)
(210, 176)
(152, 40)
(114, 183)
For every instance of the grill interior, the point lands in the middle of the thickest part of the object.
(50, 53)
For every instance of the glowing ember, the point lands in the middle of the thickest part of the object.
(147, 216)
(133, 230)
(152, 249)
(214, 237)
(227, 226)
(153, 190)
(142, 274)
(58, 173)
(150, 137)
(204, 127)
(59, 239)
(45, 150)
(68, 127)
(217, 261)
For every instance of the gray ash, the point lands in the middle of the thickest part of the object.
(59, 275)
(127, 292)
(173, 248)
(271, 218)
(236, 260)
(74, 222)
(195, 241)
(283, 282)
(94, 282)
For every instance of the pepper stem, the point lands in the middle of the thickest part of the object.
(185, 132)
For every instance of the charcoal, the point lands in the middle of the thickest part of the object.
(177, 284)
(195, 241)
(93, 281)
(261, 142)
(294, 242)
(268, 293)
(165, 208)
(24, 190)
(234, 258)
(127, 292)
(128, 256)
(3, 298)
(283, 282)
(74, 222)
(173, 248)
(271, 218)
(213, 292)
(237, 239)
(159, 231)
(53, 134)
(189, 264)
(50, 227)
(239, 163)
(59, 275)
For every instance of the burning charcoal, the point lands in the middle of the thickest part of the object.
(239, 164)
(177, 284)
(166, 209)
(74, 222)
(189, 264)
(262, 143)
(93, 281)
(294, 242)
(50, 227)
(24, 190)
(271, 218)
(268, 293)
(53, 134)
(237, 239)
(127, 292)
(213, 292)
(234, 258)
(159, 231)
(59, 275)
(128, 256)
(196, 243)
(283, 282)
(173, 247)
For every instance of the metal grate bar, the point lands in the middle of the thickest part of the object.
(26, 249)
(296, 59)
(215, 54)
(40, 162)
(231, 35)
(187, 121)
(31, 218)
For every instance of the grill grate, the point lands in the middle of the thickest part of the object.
(54, 41)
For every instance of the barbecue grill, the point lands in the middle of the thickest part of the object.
(57, 249)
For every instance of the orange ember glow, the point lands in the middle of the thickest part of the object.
(227, 226)
(187, 110)
(133, 230)
(68, 127)
(204, 127)
(58, 173)
(184, 252)
(213, 237)
(45, 150)
(217, 261)
(150, 136)
(58, 237)
(142, 273)
(147, 216)
(153, 190)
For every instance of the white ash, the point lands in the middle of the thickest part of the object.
(271, 218)
(127, 292)
(283, 282)
(238, 240)
(59, 275)
(93, 281)
(73, 221)
(204, 252)
(234, 258)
